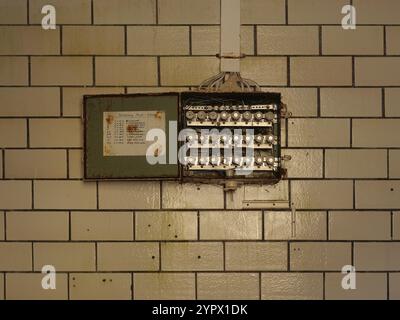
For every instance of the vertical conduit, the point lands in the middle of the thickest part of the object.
(230, 36)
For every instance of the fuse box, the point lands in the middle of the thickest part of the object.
(209, 137)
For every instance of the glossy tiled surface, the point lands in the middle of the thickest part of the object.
(340, 203)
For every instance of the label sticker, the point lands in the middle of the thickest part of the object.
(124, 132)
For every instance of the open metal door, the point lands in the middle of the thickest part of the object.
(115, 129)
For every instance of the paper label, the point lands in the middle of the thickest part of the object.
(124, 132)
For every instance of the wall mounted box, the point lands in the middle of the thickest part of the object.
(231, 133)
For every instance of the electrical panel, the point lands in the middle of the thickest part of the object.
(234, 136)
(209, 137)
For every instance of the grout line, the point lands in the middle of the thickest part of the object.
(391, 225)
(157, 18)
(134, 225)
(33, 261)
(286, 148)
(255, 35)
(188, 86)
(68, 286)
(132, 287)
(126, 40)
(225, 195)
(94, 70)
(352, 253)
(198, 225)
(159, 71)
(314, 56)
(161, 195)
(286, 12)
(327, 225)
(190, 41)
(323, 286)
(128, 87)
(28, 144)
(4, 285)
(97, 195)
(224, 255)
(214, 271)
(159, 256)
(195, 286)
(95, 256)
(206, 241)
(351, 132)
(61, 102)
(70, 225)
(259, 286)
(320, 39)
(383, 102)
(32, 194)
(67, 155)
(61, 40)
(92, 12)
(5, 225)
(384, 41)
(387, 286)
(208, 24)
(29, 71)
(28, 12)
(3, 163)
(263, 223)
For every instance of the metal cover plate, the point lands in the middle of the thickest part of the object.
(115, 135)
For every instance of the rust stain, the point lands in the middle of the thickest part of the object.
(110, 119)
(131, 128)
(158, 115)
(157, 151)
